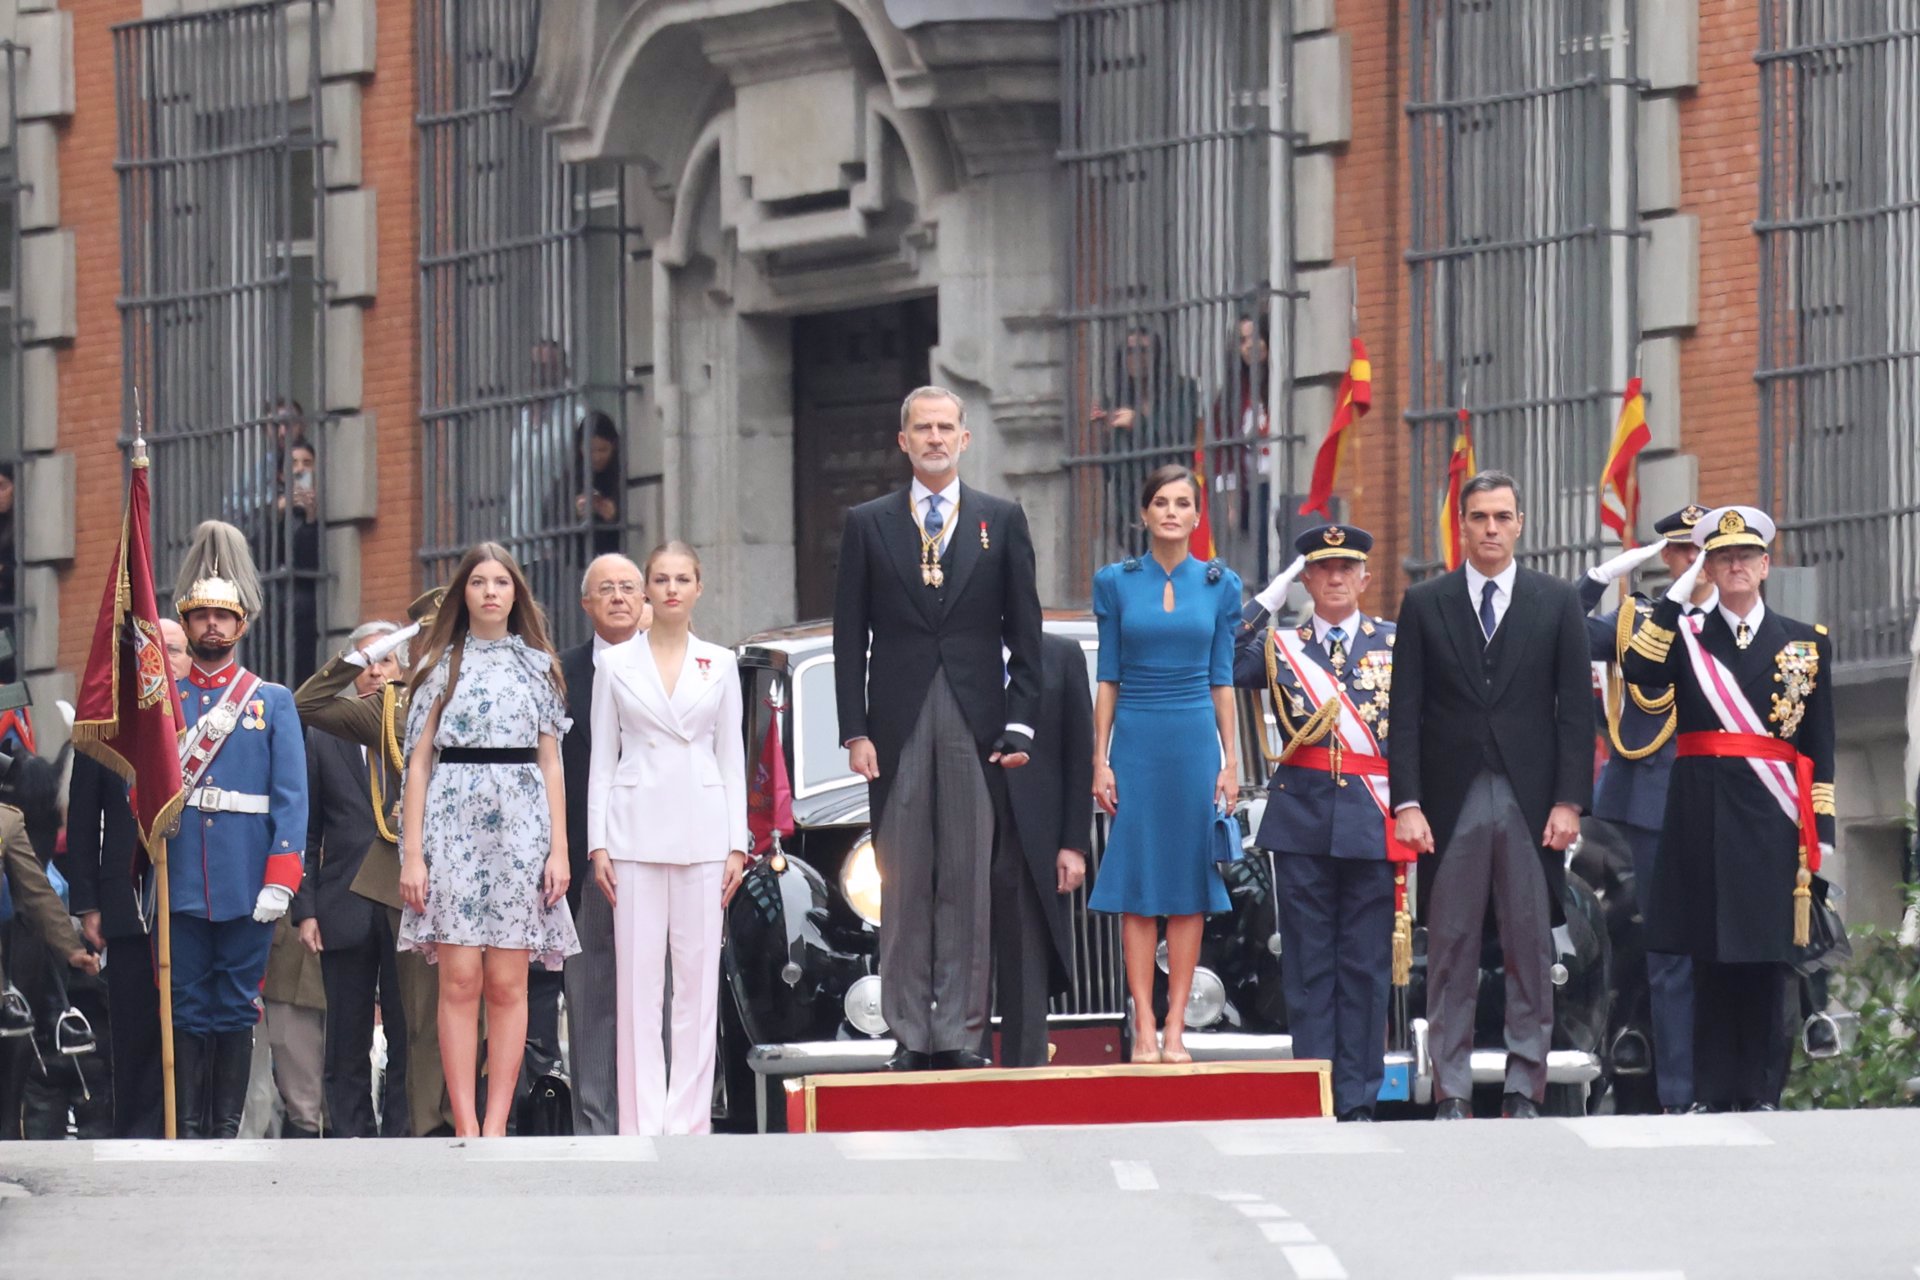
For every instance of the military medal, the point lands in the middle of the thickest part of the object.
(931, 574)
(984, 544)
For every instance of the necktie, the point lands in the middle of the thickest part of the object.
(936, 519)
(1487, 619)
(1337, 647)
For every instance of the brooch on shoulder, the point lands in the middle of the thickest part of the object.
(1130, 565)
(1215, 570)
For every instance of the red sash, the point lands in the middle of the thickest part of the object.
(1718, 744)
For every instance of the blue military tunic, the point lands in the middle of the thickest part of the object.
(219, 861)
(1307, 810)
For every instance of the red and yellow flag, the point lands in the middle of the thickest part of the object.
(1351, 402)
(1630, 436)
(1200, 541)
(1460, 469)
(128, 716)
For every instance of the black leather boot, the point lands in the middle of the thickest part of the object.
(232, 1070)
(190, 1068)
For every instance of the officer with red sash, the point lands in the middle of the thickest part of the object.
(1326, 820)
(235, 863)
(1749, 808)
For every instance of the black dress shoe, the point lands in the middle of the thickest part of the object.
(1518, 1106)
(960, 1060)
(1691, 1109)
(1760, 1106)
(1357, 1115)
(908, 1060)
(1453, 1109)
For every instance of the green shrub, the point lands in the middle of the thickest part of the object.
(1882, 984)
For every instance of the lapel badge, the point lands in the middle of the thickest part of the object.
(706, 667)
(1366, 626)
(985, 545)
(1306, 632)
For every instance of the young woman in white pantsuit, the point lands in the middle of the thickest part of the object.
(667, 830)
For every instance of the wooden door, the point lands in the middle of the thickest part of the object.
(851, 369)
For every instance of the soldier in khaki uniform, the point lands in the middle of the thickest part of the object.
(378, 723)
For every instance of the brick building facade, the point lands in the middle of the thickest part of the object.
(721, 189)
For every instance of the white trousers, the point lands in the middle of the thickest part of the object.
(662, 909)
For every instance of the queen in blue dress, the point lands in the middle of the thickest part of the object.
(1163, 749)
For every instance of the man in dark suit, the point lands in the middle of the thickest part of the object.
(1632, 789)
(352, 934)
(103, 849)
(1326, 815)
(610, 595)
(1052, 804)
(1491, 766)
(933, 580)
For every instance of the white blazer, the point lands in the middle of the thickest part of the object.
(668, 780)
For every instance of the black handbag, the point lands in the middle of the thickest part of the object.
(1828, 946)
(547, 1110)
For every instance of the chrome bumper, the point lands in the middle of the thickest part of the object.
(1489, 1066)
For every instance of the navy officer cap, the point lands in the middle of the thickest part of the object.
(1678, 527)
(1334, 542)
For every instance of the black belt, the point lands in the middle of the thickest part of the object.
(489, 755)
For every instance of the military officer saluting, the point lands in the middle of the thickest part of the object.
(1632, 789)
(235, 863)
(1327, 819)
(1749, 808)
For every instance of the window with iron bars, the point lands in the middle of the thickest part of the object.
(526, 265)
(12, 415)
(223, 296)
(1523, 256)
(1840, 310)
(1177, 141)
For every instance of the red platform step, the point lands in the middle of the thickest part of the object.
(886, 1101)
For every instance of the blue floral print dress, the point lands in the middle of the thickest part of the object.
(488, 829)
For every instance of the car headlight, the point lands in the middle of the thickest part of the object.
(860, 880)
(1206, 1001)
(862, 1005)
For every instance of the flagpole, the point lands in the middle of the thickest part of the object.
(163, 913)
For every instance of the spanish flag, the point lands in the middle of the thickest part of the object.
(1200, 541)
(1352, 401)
(1630, 436)
(1460, 469)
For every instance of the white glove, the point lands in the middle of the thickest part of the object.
(1275, 593)
(272, 903)
(385, 645)
(1625, 563)
(1682, 589)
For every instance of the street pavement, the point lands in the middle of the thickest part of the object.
(1810, 1196)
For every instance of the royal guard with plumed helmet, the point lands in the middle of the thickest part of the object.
(236, 861)
(1750, 807)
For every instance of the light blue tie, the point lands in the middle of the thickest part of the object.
(936, 520)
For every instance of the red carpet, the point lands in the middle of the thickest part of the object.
(888, 1101)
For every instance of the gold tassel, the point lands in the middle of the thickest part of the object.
(1802, 906)
(1402, 948)
(1402, 930)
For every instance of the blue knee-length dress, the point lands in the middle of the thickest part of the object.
(1165, 749)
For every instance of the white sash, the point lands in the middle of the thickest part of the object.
(1356, 738)
(1736, 715)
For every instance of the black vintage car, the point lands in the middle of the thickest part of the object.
(801, 947)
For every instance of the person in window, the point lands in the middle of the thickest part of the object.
(593, 491)
(303, 500)
(1154, 420)
(1164, 749)
(1239, 470)
(8, 551)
